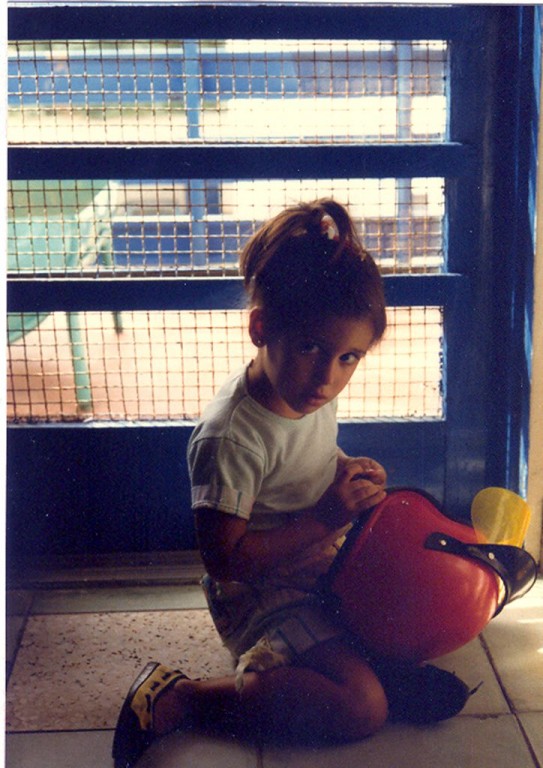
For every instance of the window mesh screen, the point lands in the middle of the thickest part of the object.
(183, 226)
(168, 365)
(227, 91)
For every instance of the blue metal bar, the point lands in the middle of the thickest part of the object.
(404, 96)
(513, 257)
(243, 20)
(240, 161)
(488, 232)
(193, 85)
(80, 294)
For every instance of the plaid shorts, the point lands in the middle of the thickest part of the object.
(291, 621)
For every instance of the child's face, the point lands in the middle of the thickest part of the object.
(309, 367)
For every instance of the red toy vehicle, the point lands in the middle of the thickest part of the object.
(413, 584)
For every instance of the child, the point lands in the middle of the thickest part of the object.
(273, 497)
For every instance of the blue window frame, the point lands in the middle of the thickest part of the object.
(485, 160)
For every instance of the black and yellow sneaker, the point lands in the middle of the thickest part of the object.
(421, 694)
(134, 731)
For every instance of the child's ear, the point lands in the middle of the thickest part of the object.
(256, 327)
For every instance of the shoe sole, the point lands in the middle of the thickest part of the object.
(130, 741)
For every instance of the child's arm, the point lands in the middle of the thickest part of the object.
(232, 553)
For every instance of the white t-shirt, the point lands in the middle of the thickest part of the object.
(247, 461)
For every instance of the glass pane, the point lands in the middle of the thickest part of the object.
(193, 227)
(227, 91)
(168, 365)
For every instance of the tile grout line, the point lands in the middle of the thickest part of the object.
(10, 666)
(526, 738)
(107, 610)
(509, 703)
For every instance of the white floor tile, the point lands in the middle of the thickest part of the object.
(75, 749)
(464, 742)
(515, 642)
(189, 751)
(533, 725)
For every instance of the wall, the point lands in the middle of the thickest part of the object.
(535, 460)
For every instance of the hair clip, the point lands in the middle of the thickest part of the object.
(329, 227)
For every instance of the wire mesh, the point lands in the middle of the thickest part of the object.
(150, 365)
(57, 227)
(192, 227)
(168, 91)
(168, 365)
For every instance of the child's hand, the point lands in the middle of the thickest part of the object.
(369, 469)
(358, 487)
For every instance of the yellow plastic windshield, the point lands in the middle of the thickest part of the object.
(500, 516)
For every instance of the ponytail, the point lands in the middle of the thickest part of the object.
(307, 262)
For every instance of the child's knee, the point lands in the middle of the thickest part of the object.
(369, 712)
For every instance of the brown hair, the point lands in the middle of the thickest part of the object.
(295, 272)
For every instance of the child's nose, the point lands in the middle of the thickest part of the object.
(326, 373)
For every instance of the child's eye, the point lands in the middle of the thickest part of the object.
(350, 358)
(310, 348)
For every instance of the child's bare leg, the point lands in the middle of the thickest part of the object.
(331, 694)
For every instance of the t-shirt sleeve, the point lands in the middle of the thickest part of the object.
(225, 475)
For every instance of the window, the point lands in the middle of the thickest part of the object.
(227, 90)
(203, 91)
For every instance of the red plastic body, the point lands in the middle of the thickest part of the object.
(405, 601)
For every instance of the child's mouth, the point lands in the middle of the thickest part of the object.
(314, 398)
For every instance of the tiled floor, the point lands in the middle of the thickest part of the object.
(501, 727)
